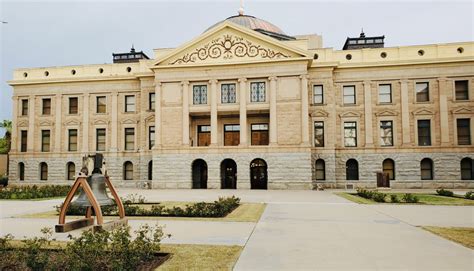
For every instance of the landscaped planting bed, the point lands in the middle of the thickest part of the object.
(34, 191)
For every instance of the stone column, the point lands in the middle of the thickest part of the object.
(243, 111)
(185, 89)
(443, 111)
(31, 124)
(273, 110)
(85, 123)
(304, 110)
(58, 124)
(14, 135)
(114, 124)
(369, 138)
(213, 112)
(157, 115)
(405, 113)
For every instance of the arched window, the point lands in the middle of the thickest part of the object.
(320, 169)
(352, 169)
(426, 166)
(388, 166)
(71, 170)
(43, 171)
(467, 172)
(128, 170)
(21, 171)
(150, 170)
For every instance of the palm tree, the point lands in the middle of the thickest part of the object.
(7, 125)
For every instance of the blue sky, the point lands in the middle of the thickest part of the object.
(56, 33)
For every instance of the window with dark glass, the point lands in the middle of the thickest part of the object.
(386, 133)
(259, 134)
(426, 166)
(464, 131)
(130, 103)
(101, 104)
(24, 107)
(45, 140)
(388, 167)
(150, 170)
(73, 105)
(350, 134)
(204, 135)
(424, 133)
(385, 93)
(320, 170)
(129, 139)
(24, 141)
(21, 171)
(228, 94)
(352, 170)
(72, 140)
(128, 171)
(319, 134)
(231, 134)
(100, 139)
(462, 90)
(151, 101)
(43, 171)
(199, 94)
(422, 92)
(257, 92)
(467, 169)
(349, 94)
(71, 170)
(151, 137)
(318, 94)
(46, 106)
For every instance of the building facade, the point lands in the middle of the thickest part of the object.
(246, 106)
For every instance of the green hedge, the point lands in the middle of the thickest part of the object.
(446, 193)
(34, 192)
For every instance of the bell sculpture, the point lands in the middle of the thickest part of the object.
(92, 196)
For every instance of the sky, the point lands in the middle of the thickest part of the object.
(57, 33)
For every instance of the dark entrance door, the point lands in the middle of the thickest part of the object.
(258, 174)
(228, 174)
(199, 173)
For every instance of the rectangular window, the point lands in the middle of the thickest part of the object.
(24, 141)
(151, 137)
(462, 90)
(422, 92)
(385, 93)
(151, 101)
(257, 92)
(259, 134)
(100, 139)
(350, 134)
(228, 94)
(73, 105)
(464, 131)
(319, 134)
(72, 140)
(204, 135)
(349, 94)
(24, 107)
(129, 139)
(318, 96)
(130, 103)
(424, 133)
(47, 106)
(231, 134)
(200, 94)
(45, 140)
(386, 133)
(101, 105)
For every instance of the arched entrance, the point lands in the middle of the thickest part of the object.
(228, 174)
(258, 174)
(199, 174)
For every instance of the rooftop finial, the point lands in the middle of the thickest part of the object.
(241, 9)
(362, 34)
(133, 49)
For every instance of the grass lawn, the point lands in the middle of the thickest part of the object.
(246, 212)
(463, 236)
(426, 199)
(37, 199)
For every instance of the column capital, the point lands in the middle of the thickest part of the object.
(213, 81)
(185, 83)
(443, 79)
(272, 78)
(304, 76)
(403, 81)
(158, 82)
(242, 80)
(366, 82)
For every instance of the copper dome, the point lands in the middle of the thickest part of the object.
(252, 23)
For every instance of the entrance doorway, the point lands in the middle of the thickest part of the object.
(258, 174)
(199, 173)
(228, 174)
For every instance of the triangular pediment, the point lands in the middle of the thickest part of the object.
(229, 43)
(349, 114)
(150, 118)
(462, 110)
(386, 113)
(423, 111)
(319, 113)
(46, 123)
(73, 122)
(23, 123)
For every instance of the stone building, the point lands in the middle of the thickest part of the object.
(247, 106)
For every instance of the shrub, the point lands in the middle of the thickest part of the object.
(34, 192)
(378, 197)
(410, 198)
(394, 198)
(361, 192)
(446, 193)
(469, 195)
(4, 181)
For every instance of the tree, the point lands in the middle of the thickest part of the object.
(7, 125)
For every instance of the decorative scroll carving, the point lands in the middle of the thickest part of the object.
(228, 47)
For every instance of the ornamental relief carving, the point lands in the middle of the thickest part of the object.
(228, 47)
